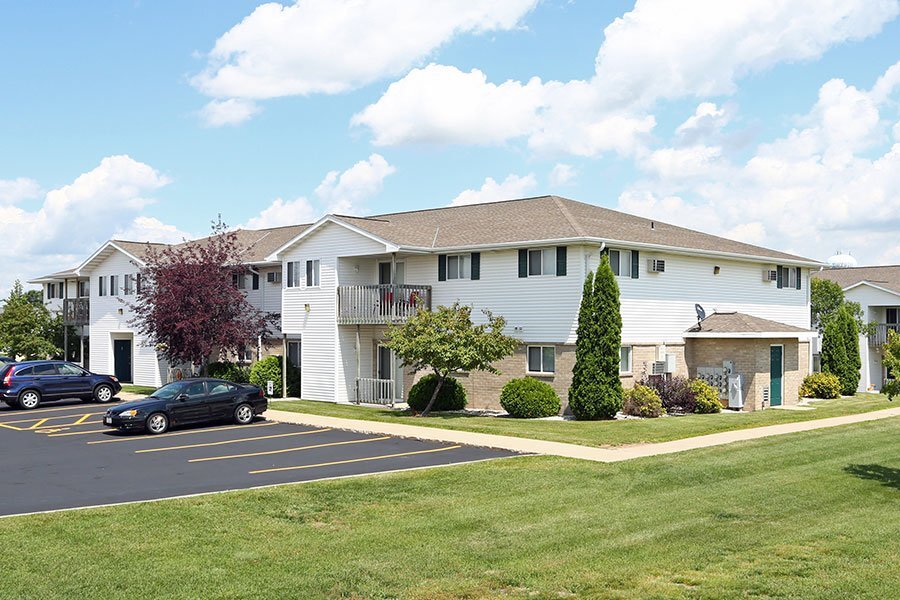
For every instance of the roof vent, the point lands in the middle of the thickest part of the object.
(652, 225)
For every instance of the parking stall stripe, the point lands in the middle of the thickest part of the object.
(144, 438)
(78, 432)
(13, 427)
(222, 442)
(19, 413)
(39, 423)
(83, 419)
(352, 460)
(283, 450)
(49, 418)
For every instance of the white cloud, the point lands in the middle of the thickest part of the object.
(332, 46)
(832, 182)
(707, 120)
(660, 50)
(339, 192)
(21, 188)
(512, 187)
(151, 229)
(233, 111)
(561, 174)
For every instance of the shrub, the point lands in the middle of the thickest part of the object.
(642, 401)
(821, 385)
(229, 371)
(269, 369)
(528, 398)
(451, 397)
(706, 397)
(675, 393)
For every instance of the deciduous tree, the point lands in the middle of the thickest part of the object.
(26, 326)
(446, 341)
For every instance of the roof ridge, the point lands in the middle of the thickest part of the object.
(568, 216)
(437, 208)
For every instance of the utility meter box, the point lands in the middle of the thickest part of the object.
(736, 392)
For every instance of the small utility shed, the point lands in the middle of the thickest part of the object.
(773, 358)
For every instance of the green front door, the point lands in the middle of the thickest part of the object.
(776, 373)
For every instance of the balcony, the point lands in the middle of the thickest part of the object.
(77, 311)
(879, 336)
(380, 304)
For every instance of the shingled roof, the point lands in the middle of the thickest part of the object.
(738, 323)
(886, 276)
(543, 218)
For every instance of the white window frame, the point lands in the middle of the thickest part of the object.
(84, 289)
(299, 345)
(544, 353)
(462, 266)
(313, 275)
(621, 267)
(113, 285)
(630, 360)
(292, 275)
(128, 284)
(548, 259)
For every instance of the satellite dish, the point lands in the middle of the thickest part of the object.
(701, 314)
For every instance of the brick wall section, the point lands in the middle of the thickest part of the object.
(751, 359)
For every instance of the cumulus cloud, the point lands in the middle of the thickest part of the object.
(833, 181)
(339, 192)
(561, 174)
(21, 188)
(512, 187)
(332, 46)
(151, 229)
(233, 111)
(659, 51)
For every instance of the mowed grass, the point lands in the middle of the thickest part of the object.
(598, 433)
(137, 389)
(809, 515)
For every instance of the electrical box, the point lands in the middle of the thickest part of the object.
(735, 392)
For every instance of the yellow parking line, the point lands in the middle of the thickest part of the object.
(83, 419)
(13, 413)
(283, 450)
(13, 427)
(78, 432)
(39, 423)
(352, 460)
(137, 438)
(221, 442)
(50, 418)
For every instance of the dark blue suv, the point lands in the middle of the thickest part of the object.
(27, 384)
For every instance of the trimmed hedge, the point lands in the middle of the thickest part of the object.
(451, 397)
(269, 369)
(642, 401)
(706, 397)
(229, 371)
(529, 398)
(821, 385)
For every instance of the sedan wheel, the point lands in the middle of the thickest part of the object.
(29, 399)
(243, 414)
(157, 423)
(103, 393)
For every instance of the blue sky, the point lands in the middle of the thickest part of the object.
(104, 131)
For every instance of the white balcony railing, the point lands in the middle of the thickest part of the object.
(374, 391)
(378, 304)
(879, 336)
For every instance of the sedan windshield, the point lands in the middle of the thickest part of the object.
(167, 392)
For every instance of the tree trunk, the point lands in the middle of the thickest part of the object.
(434, 395)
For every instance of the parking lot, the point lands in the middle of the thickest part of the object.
(61, 456)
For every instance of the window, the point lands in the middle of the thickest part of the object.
(789, 278)
(273, 277)
(51, 291)
(129, 284)
(245, 355)
(537, 262)
(69, 370)
(113, 285)
(312, 273)
(43, 370)
(459, 266)
(220, 387)
(101, 288)
(620, 261)
(255, 284)
(239, 281)
(139, 283)
(625, 359)
(541, 359)
(84, 289)
(294, 354)
(293, 274)
(195, 389)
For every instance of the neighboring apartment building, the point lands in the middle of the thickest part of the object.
(99, 291)
(877, 290)
(346, 277)
(67, 293)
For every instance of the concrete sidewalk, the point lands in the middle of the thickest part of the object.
(533, 446)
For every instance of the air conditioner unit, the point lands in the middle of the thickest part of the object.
(273, 277)
(656, 265)
(658, 367)
(770, 275)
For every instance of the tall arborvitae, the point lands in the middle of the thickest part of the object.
(834, 350)
(596, 391)
(850, 335)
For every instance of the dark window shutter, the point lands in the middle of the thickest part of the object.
(256, 281)
(780, 279)
(476, 265)
(635, 264)
(799, 274)
(523, 262)
(309, 273)
(442, 267)
(561, 263)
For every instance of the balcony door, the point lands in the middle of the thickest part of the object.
(387, 368)
(384, 273)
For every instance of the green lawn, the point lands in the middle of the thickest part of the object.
(809, 515)
(137, 389)
(598, 433)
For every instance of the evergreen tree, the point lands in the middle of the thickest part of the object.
(596, 391)
(850, 381)
(25, 327)
(840, 349)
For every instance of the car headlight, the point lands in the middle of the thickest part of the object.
(129, 413)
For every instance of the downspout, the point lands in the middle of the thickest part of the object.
(65, 320)
(284, 366)
(358, 364)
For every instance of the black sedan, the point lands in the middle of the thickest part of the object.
(190, 401)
